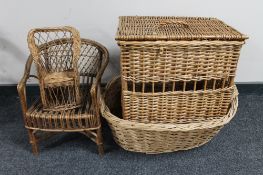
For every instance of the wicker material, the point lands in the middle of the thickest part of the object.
(177, 106)
(56, 62)
(151, 28)
(166, 61)
(160, 138)
(92, 62)
(73, 119)
(163, 57)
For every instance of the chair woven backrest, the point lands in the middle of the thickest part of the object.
(89, 64)
(56, 53)
(51, 57)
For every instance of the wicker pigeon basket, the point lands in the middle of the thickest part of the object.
(176, 67)
(159, 138)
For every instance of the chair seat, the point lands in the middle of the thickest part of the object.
(58, 78)
(67, 120)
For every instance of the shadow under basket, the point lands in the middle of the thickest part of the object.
(154, 138)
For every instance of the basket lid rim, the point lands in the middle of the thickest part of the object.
(153, 28)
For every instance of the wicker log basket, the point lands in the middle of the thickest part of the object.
(153, 138)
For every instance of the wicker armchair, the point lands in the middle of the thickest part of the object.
(56, 66)
(85, 119)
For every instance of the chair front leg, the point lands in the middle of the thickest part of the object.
(95, 91)
(33, 141)
(99, 142)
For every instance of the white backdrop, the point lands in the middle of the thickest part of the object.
(98, 19)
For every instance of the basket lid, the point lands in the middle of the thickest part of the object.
(151, 28)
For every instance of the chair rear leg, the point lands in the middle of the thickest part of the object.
(99, 142)
(33, 141)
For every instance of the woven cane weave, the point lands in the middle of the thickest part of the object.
(159, 137)
(168, 61)
(177, 106)
(154, 28)
(76, 119)
(163, 55)
(56, 62)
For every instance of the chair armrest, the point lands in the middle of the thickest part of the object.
(95, 90)
(95, 94)
(21, 87)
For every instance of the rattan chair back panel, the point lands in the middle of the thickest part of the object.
(89, 65)
(173, 66)
(56, 52)
(90, 59)
(51, 52)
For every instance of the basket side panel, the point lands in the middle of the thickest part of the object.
(163, 61)
(154, 142)
(177, 107)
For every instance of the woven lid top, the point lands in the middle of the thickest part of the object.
(138, 28)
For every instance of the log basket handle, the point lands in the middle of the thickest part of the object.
(171, 22)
